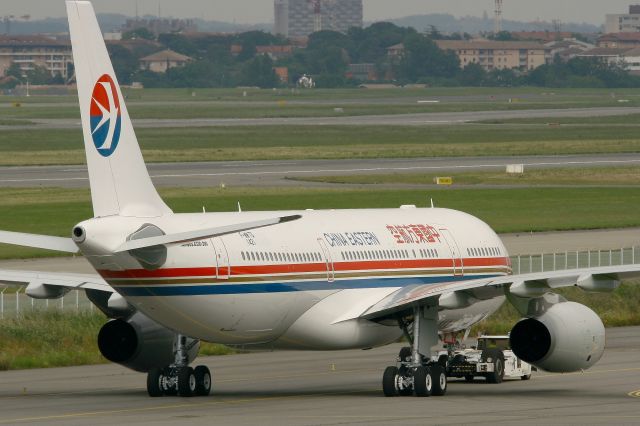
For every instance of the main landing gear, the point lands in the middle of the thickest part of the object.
(179, 378)
(415, 374)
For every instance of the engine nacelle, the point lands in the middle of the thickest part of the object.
(568, 337)
(140, 343)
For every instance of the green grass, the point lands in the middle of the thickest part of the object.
(55, 211)
(623, 176)
(40, 147)
(54, 339)
(617, 309)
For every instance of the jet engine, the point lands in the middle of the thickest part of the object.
(567, 337)
(140, 343)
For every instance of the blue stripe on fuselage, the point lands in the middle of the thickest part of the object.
(286, 287)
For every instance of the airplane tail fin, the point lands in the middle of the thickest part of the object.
(119, 180)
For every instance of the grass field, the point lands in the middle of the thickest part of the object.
(511, 137)
(596, 176)
(41, 147)
(55, 211)
(53, 339)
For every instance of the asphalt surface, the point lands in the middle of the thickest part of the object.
(273, 173)
(418, 119)
(326, 388)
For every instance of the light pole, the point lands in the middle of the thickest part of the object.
(26, 77)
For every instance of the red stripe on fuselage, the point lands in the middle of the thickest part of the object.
(343, 266)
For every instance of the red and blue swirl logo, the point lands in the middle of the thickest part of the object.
(106, 121)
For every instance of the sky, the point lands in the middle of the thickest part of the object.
(261, 11)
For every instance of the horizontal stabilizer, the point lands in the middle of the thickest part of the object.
(199, 234)
(38, 241)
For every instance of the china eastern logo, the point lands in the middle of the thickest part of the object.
(105, 116)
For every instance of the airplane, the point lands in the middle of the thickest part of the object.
(307, 280)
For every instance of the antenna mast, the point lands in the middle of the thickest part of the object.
(317, 14)
(498, 17)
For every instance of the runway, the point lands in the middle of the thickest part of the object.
(274, 173)
(326, 388)
(416, 119)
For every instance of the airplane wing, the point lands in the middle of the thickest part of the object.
(460, 294)
(50, 285)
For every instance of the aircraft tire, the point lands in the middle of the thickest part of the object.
(389, 387)
(154, 379)
(422, 382)
(186, 382)
(203, 380)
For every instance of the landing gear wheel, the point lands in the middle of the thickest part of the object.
(422, 382)
(203, 380)
(186, 382)
(469, 379)
(389, 382)
(154, 383)
(439, 379)
(405, 353)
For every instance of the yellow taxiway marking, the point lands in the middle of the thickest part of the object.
(635, 393)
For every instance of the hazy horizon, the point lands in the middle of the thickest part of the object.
(261, 11)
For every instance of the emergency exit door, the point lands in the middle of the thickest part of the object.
(454, 250)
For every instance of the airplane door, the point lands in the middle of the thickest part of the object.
(222, 259)
(331, 275)
(458, 266)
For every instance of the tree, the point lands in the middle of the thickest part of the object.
(259, 72)
(14, 71)
(502, 36)
(179, 43)
(138, 33)
(472, 75)
(125, 63)
(423, 58)
(251, 39)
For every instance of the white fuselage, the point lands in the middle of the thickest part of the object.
(301, 284)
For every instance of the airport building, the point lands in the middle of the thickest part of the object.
(299, 18)
(35, 51)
